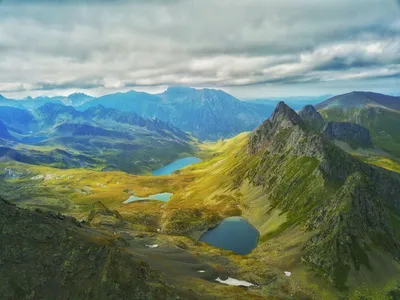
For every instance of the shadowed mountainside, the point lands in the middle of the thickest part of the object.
(50, 256)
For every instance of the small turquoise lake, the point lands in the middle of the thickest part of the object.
(161, 197)
(176, 165)
(235, 234)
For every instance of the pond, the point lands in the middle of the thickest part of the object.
(161, 197)
(235, 234)
(176, 165)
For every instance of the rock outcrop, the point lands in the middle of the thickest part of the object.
(353, 134)
(312, 118)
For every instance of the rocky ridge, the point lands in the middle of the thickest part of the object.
(324, 189)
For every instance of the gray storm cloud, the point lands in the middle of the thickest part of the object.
(104, 45)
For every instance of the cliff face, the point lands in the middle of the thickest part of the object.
(353, 134)
(322, 188)
(50, 256)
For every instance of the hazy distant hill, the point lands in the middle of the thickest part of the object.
(30, 103)
(295, 103)
(360, 99)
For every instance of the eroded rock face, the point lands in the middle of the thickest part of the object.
(353, 134)
(46, 256)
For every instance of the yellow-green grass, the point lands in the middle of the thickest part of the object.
(384, 162)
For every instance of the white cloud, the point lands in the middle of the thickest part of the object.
(225, 43)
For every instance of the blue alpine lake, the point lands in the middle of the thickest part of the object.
(176, 165)
(161, 197)
(235, 234)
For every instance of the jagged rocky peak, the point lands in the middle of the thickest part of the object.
(311, 117)
(285, 131)
(353, 134)
(285, 116)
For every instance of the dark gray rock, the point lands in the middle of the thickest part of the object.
(312, 118)
(353, 134)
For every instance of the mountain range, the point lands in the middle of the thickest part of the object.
(207, 114)
(98, 137)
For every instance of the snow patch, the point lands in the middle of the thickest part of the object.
(234, 282)
(152, 246)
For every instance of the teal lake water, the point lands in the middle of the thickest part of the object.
(161, 197)
(166, 170)
(235, 234)
(176, 165)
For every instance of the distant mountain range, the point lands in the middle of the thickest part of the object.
(75, 99)
(207, 114)
(295, 103)
(94, 138)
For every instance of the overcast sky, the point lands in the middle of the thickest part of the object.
(250, 48)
